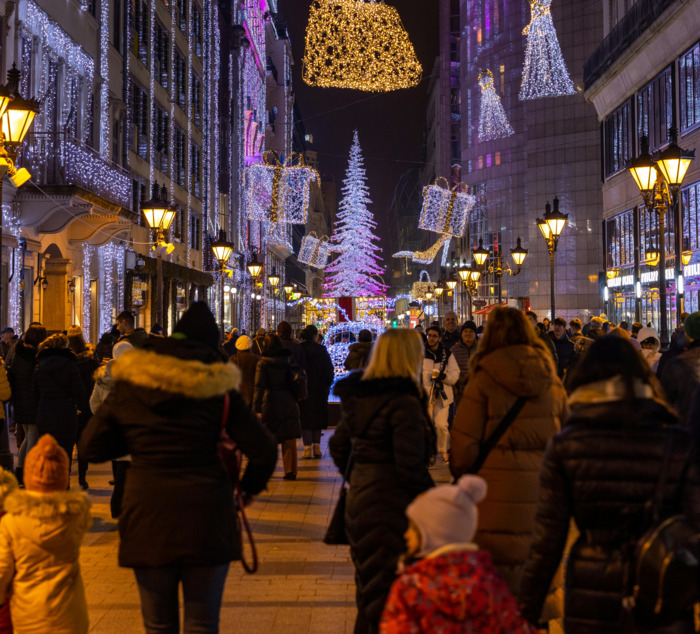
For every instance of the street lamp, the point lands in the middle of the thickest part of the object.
(551, 225)
(659, 182)
(255, 268)
(481, 254)
(471, 283)
(159, 215)
(222, 252)
(518, 254)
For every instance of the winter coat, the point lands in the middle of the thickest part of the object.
(274, 397)
(298, 355)
(447, 365)
(136, 338)
(507, 515)
(451, 339)
(358, 354)
(565, 353)
(5, 390)
(320, 374)
(40, 536)
(247, 363)
(455, 590)
(60, 393)
(87, 365)
(462, 355)
(258, 345)
(103, 384)
(20, 374)
(165, 410)
(394, 441)
(680, 377)
(601, 470)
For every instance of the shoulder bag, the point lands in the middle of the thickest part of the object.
(231, 458)
(493, 439)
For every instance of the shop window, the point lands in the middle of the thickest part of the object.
(690, 204)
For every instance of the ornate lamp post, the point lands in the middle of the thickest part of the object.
(255, 269)
(222, 252)
(551, 225)
(518, 254)
(159, 215)
(659, 182)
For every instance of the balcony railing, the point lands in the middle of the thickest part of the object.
(641, 15)
(56, 158)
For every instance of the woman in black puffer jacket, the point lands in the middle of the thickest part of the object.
(384, 412)
(601, 470)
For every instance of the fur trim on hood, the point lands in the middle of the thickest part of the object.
(45, 506)
(190, 377)
(65, 353)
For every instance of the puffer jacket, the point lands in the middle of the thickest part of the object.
(40, 539)
(394, 441)
(507, 515)
(22, 362)
(601, 470)
(680, 377)
(273, 396)
(165, 410)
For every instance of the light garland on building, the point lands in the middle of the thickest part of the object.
(12, 226)
(493, 122)
(87, 302)
(544, 70)
(107, 257)
(446, 210)
(424, 257)
(105, 8)
(358, 45)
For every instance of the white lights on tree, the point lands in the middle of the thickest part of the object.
(445, 210)
(493, 122)
(424, 257)
(544, 70)
(314, 251)
(279, 192)
(350, 274)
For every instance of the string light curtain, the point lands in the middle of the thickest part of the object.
(493, 122)
(544, 71)
(446, 210)
(359, 45)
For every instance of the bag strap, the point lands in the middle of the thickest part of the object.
(493, 439)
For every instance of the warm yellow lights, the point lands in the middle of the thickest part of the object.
(653, 256)
(222, 248)
(359, 45)
(686, 257)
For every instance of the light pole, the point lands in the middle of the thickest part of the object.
(159, 215)
(463, 273)
(518, 254)
(551, 225)
(222, 252)
(273, 281)
(659, 182)
(255, 269)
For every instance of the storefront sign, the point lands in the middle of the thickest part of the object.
(692, 270)
(653, 276)
(625, 280)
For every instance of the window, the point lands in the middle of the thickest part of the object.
(197, 100)
(690, 197)
(655, 110)
(180, 88)
(195, 232)
(115, 142)
(182, 15)
(618, 135)
(162, 138)
(179, 156)
(619, 237)
(196, 170)
(689, 73)
(141, 31)
(162, 54)
(139, 110)
(117, 25)
(197, 31)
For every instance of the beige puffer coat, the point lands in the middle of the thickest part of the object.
(507, 515)
(40, 537)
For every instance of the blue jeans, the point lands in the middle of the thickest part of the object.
(202, 587)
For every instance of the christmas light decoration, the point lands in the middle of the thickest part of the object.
(493, 122)
(350, 274)
(446, 210)
(87, 280)
(424, 257)
(544, 71)
(359, 45)
(279, 192)
(105, 130)
(314, 251)
(339, 338)
(12, 226)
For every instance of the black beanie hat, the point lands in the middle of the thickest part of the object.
(468, 325)
(198, 324)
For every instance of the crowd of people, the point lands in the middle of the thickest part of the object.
(559, 437)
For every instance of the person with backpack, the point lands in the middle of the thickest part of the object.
(604, 471)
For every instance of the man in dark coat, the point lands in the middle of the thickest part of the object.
(314, 409)
(284, 332)
(258, 340)
(358, 352)
(563, 346)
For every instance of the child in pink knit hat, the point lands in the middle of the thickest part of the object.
(446, 584)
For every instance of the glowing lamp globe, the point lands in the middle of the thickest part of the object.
(255, 268)
(643, 168)
(222, 249)
(288, 289)
(481, 254)
(18, 113)
(674, 161)
(463, 272)
(274, 279)
(474, 276)
(555, 219)
(686, 256)
(518, 254)
(159, 215)
(653, 256)
(451, 283)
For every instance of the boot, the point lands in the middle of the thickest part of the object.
(82, 472)
(19, 474)
(317, 450)
(307, 452)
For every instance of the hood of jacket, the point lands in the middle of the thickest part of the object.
(53, 359)
(360, 347)
(50, 519)
(25, 352)
(523, 370)
(174, 366)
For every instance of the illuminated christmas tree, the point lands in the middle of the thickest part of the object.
(493, 123)
(544, 71)
(349, 275)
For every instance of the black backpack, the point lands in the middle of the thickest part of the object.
(662, 571)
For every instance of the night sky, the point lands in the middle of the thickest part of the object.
(390, 125)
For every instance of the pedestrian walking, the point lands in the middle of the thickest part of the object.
(440, 373)
(462, 353)
(284, 332)
(274, 399)
(247, 363)
(128, 331)
(21, 374)
(601, 471)
(385, 440)
(230, 344)
(178, 522)
(258, 342)
(541, 333)
(313, 410)
(452, 334)
(650, 344)
(59, 392)
(103, 350)
(358, 352)
(446, 582)
(563, 346)
(6, 341)
(510, 365)
(40, 536)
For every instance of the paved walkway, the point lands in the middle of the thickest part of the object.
(302, 586)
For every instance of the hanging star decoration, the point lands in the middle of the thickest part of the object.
(427, 256)
(314, 251)
(544, 71)
(445, 210)
(359, 45)
(493, 122)
(278, 191)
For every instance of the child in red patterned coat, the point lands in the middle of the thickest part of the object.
(446, 584)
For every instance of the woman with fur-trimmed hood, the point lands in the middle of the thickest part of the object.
(178, 522)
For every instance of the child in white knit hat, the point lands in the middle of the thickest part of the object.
(446, 584)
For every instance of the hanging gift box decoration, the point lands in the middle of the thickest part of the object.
(314, 251)
(446, 210)
(359, 45)
(279, 192)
